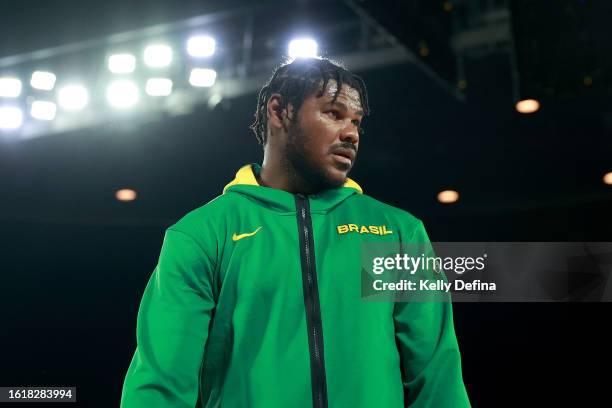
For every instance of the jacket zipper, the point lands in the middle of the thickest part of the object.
(311, 302)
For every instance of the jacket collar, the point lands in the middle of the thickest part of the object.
(279, 200)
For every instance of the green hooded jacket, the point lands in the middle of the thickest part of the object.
(256, 302)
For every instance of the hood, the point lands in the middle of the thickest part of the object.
(245, 183)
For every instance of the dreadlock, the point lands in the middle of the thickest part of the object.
(296, 81)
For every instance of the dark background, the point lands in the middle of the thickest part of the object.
(74, 261)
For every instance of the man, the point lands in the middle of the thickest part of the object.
(256, 299)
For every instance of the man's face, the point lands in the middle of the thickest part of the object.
(322, 144)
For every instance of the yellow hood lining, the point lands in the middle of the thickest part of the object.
(246, 176)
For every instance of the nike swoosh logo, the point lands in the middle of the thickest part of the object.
(237, 237)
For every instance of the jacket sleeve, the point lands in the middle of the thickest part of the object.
(428, 348)
(172, 327)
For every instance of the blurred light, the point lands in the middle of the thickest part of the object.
(607, 178)
(73, 97)
(157, 56)
(202, 77)
(448, 196)
(10, 87)
(44, 81)
(10, 117)
(303, 48)
(214, 100)
(43, 110)
(122, 93)
(159, 87)
(122, 63)
(527, 106)
(201, 46)
(448, 6)
(588, 81)
(126, 194)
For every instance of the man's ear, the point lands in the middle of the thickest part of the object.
(277, 116)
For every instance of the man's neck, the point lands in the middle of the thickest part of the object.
(282, 176)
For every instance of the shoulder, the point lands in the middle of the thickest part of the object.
(411, 227)
(367, 202)
(205, 224)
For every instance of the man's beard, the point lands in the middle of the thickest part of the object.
(300, 165)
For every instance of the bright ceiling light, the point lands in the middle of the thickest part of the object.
(157, 56)
(448, 196)
(10, 117)
(159, 87)
(202, 77)
(607, 178)
(527, 106)
(126, 194)
(201, 46)
(45, 81)
(43, 110)
(303, 48)
(10, 87)
(122, 94)
(121, 63)
(73, 97)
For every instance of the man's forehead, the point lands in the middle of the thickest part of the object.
(348, 95)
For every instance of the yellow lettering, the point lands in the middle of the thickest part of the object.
(363, 229)
(385, 231)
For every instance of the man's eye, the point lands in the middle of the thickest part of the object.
(334, 114)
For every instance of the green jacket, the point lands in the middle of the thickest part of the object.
(256, 302)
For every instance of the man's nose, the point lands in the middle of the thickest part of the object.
(350, 134)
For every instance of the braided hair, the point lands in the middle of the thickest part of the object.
(298, 80)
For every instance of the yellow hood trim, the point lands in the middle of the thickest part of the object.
(246, 176)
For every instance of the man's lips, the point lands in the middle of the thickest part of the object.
(346, 153)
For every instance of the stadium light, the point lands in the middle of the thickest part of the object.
(202, 77)
(201, 46)
(43, 110)
(303, 48)
(121, 63)
(122, 94)
(159, 87)
(607, 178)
(10, 117)
(126, 194)
(158, 56)
(527, 106)
(10, 87)
(73, 97)
(448, 196)
(45, 81)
